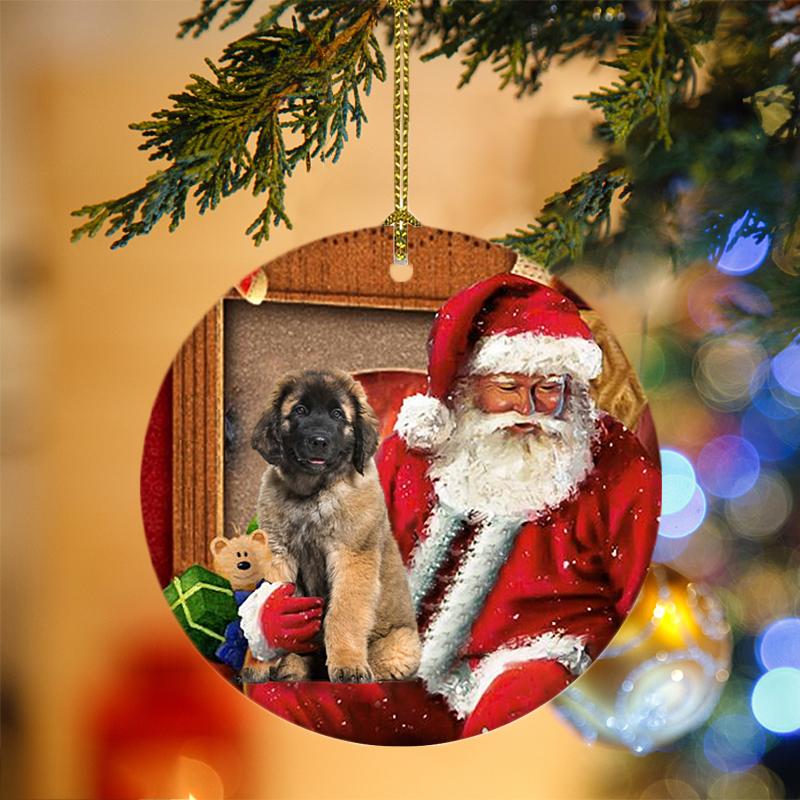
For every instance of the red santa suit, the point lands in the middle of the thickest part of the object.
(511, 606)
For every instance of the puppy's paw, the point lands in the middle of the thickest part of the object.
(350, 673)
(395, 657)
(291, 667)
(256, 672)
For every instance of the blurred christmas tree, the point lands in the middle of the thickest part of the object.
(700, 168)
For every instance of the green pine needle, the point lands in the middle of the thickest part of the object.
(280, 96)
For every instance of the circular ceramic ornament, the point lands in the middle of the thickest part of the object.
(401, 512)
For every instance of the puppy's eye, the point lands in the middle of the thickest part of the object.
(337, 413)
(300, 410)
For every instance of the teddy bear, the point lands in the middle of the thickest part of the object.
(244, 560)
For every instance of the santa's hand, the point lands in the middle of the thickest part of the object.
(274, 621)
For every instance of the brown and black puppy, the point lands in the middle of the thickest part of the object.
(323, 507)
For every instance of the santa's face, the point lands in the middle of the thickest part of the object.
(523, 394)
(521, 444)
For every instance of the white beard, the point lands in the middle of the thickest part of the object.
(486, 469)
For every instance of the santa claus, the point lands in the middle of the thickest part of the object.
(526, 518)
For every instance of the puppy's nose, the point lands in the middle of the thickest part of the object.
(243, 565)
(318, 444)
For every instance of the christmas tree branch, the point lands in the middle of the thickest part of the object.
(280, 96)
(210, 8)
(519, 39)
(571, 218)
(657, 67)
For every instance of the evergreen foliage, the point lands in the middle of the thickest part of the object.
(688, 163)
(229, 133)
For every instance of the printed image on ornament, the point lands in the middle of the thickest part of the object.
(518, 472)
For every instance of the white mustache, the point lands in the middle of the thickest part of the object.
(507, 419)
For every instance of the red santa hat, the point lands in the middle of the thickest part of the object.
(504, 324)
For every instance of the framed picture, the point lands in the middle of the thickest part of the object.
(329, 303)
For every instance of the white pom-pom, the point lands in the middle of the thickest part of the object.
(424, 423)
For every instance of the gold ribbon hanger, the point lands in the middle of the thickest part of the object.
(401, 270)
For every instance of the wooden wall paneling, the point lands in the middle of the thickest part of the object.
(352, 269)
(197, 445)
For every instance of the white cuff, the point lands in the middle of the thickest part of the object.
(250, 613)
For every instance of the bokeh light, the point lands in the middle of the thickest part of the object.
(786, 368)
(678, 481)
(779, 644)
(706, 552)
(687, 520)
(765, 593)
(728, 466)
(771, 405)
(768, 435)
(669, 789)
(763, 510)
(734, 742)
(712, 295)
(696, 422)
(755, 784)
(669, 550)
(776, 700)
(725, 370)
(742, 254)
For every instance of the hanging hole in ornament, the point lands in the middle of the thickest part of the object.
(401, 271)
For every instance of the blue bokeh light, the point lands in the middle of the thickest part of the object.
(765, 435)
(771, 406)
(776, 700)
(728, 466)
(687, 520)
(678, 481)
(786, 367)
(667, 550)
(778, 645)
(734, 743)
(744, 254)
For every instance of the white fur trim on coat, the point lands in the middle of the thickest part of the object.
(249, 613)
(536, 354)
(450, 627)
(466, 687)
(442, 526)
(424, 422)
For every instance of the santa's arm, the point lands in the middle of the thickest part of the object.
(514, 693)
(391, 455)
(632, 508)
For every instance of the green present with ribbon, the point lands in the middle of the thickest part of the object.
(204, 605)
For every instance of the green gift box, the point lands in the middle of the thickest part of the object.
(204, 604)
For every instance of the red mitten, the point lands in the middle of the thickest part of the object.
(515, 692)
(291, 623)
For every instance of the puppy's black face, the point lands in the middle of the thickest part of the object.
(319, 423)
(315, 433)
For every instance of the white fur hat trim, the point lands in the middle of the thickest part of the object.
(536, 354)
(424, 422)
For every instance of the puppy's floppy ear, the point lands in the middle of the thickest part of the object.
(267, 433)
(365, 426)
